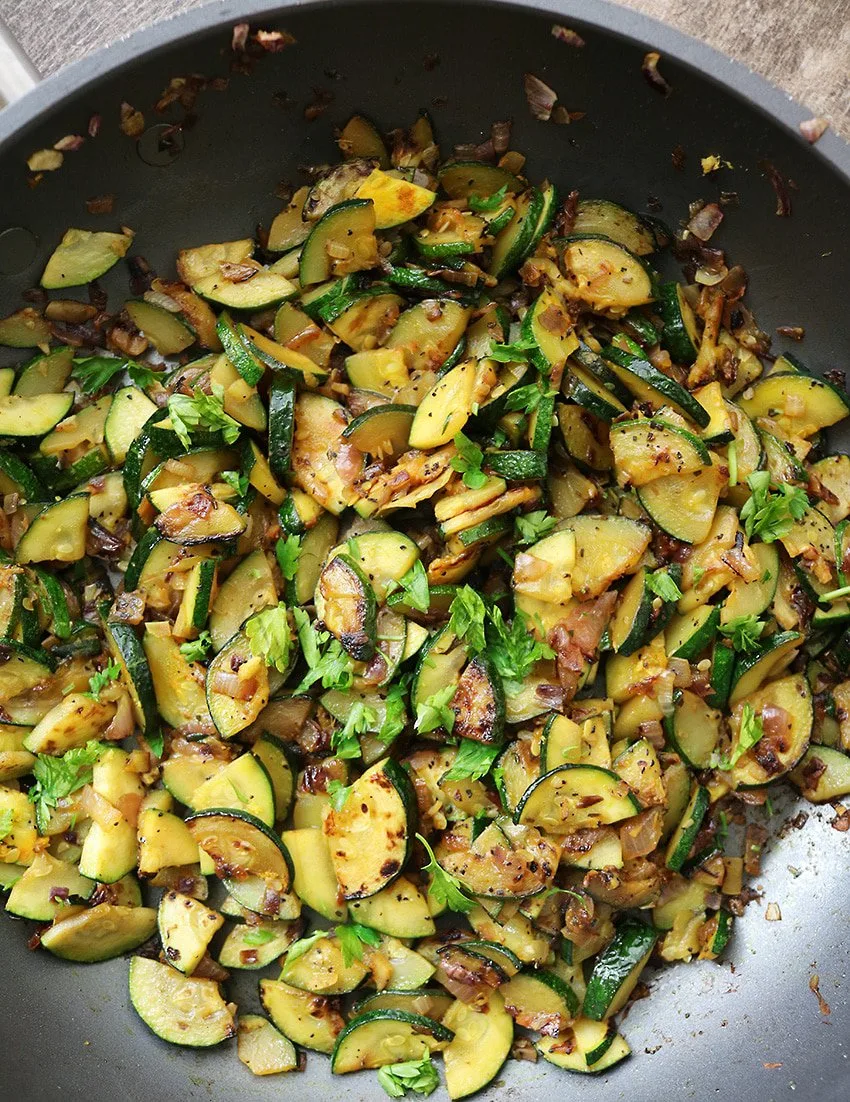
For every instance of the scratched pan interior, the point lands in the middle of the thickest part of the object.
(708, 1030)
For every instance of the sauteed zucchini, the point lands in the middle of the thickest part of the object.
(412, 604)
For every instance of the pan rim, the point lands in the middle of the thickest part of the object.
(713, 66)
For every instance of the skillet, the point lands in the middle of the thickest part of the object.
(748, 1028)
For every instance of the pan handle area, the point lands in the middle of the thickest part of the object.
(17, 73)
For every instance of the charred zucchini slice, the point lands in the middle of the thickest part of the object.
(380, 807)
(241, 846)
(178, 1008)
(345, 604)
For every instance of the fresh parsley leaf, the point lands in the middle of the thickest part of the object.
(238, 482)
(338, 793)
(326, 659)
(412, 1075)
(288, 552)
(361, 718)
(769, 515)
(698, 574)
(662, 585)
(444, 887)
(258, 935)
(467, 616)
(93, 373)
(58, 777)
(7, 822)
(196, 650)
(524, 399)
(395, 718)
(531, 527)
(750, 732)
(468, 461)
(473, 760)
(514, 650)
(99, 680)
(480, 203)
(202, 411)
(304, 945)
(517, 352)
(745, 632)
(352, 938)
(415, 586)
(435, 711)
(270, 636)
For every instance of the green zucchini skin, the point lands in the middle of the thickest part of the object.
(616, 966)
(281, 422)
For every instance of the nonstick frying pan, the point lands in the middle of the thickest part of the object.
(749, 1028)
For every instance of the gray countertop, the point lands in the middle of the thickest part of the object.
(804, 48)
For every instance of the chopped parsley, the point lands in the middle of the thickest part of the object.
(326, 659)
(352, 938)
(415, 585)
(531, 527)
(288, 552)
(473, 760)
(236, 481)
(202, 411)
(338, 793)
(411, 1075)
(768, 514)
(468, 461)
(99, 680)
(745, 633)
(663, 585)
(435, 711)
(94, 372)
(59, 777)
(196, 650)
(270, 636)
(444, 887)
(361, 718)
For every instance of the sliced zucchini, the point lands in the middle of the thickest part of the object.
(45, 374)
(193, 514)
(540, 1000)
(254, 945)
(376, 1038)
(460, 179)
(684, 505)
(129, 411)
(648, 384)
(401, 910)
(260, 291)
(445, 409)
(604, 274)
(346, 605)
(167, 332)
(607, 547)
(242, 785)
(693, 730)
(575, 797)
(513, 244)
(128, 652)
(186, 927)
(164, 842)
(688, 635)
(33, 894)
(308, 1020)
(178, 1008)
(241, 846)
(319, 423)
(481, 1043)
(341, 242)
(589, 1047)
(99, 933)
(752, 670)
(683, 837)
(380, 805)
(237, 686)
(382, 431)
(822, 774)
(618, 223)
(617, 970)
(479, 703)
(81, 257)
(315, 881)
(429, 332)
(58, 532)
(247, 590)
(361, 138)
(778, 753)
(263, 1049)
(395, 201)
(680, 336)
(276, 759)
(316, 544)
(323, 970)
(645, 450)
(816, 404)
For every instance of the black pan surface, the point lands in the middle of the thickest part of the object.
(749, 1028)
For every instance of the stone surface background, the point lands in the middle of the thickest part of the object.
(803, 46)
